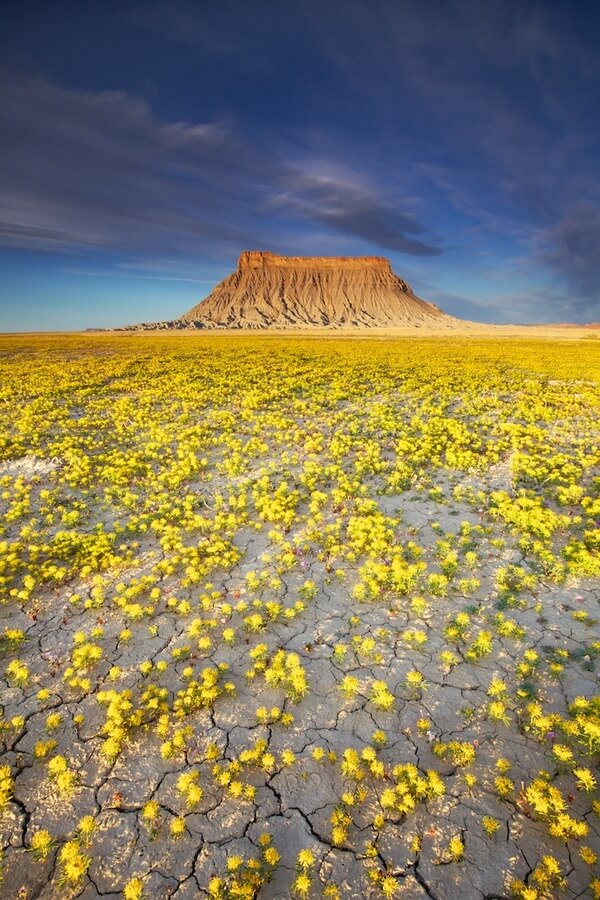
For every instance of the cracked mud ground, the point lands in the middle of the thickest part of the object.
(340, 593)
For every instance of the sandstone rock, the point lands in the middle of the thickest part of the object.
(271, 291)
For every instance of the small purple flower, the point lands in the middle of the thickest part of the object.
(551, 736)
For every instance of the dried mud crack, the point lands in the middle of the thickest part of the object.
(282, 619)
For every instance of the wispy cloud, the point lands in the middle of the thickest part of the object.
(101, 171)
(352, 209)
(98, 170)
(120, 275)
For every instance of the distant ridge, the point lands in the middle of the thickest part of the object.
(593, 325)
(271, 291)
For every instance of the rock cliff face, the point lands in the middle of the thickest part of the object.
(260, 259)
(267, 291)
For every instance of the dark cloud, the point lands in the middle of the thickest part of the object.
(572, 248)
(100, 170)
(508, 92)
(354, 210)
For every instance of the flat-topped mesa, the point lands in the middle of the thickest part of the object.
(272, 291)
(262, 259)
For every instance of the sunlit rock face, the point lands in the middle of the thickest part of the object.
(271, 291)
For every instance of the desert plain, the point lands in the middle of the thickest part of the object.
(300, 615)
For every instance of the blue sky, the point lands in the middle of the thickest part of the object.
(146, 145)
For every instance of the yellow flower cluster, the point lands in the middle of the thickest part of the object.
(282, 669)
(179, 508)
(245, 877)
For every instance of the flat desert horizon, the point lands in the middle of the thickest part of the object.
(560, 330)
